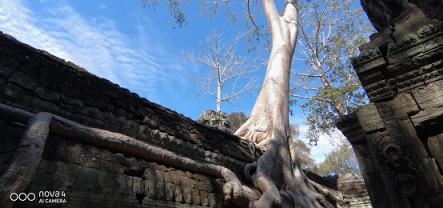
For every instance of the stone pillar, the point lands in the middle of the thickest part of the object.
(355, 128)
(398, 138)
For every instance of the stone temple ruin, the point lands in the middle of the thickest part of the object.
(397, 138)
(215, 119)
(90, 174)
(75, 172)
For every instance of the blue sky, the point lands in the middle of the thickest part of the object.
(133, 47)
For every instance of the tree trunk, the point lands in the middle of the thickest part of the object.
(268, 124)
(219, 90)
(271, 108)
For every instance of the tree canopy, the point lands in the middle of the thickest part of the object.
(258, 34)
(236, 119)
(340, 161)
(330, 33)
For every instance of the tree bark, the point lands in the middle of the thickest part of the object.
(26, 158)
(219, 90)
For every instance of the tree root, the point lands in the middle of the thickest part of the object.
(278, 172)
(28, 155)
(26, 159)
(325, 192)
(274, 168)
(255, 131)
(249, 173)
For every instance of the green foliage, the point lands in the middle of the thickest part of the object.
(258, 35)
(322, 111)
(236, 120)
(340, 161)
(330, 33)
(175, 7)
(208, 8)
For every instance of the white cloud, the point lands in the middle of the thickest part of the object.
(102, 6)
(139, 62)
(297, 119)
(304, 129)
(327, 143)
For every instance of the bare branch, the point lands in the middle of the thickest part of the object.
(222, 1)
(306, 88)
(306, 75)
(190, 58)
(319, 99)
(223, 66)
(253, 21)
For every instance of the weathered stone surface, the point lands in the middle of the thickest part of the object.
(137, 185)
(351, 128)
(23, 80)
(428, 118)
(215, 119)
(187, 187)
(149, 183)
(369, 118)
(47, 95)
(435, 145)
(396, 146)
(404, 105)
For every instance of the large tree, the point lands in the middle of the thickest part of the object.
(268, 124)
(223, 66)
(330, 33)
(277, 173)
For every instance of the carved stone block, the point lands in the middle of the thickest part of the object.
(371, 77)
(428, 118)
(369, 118)
(215, 119)
(375, 63)
(351, 128)
(403, 104)
(429, 96)
(435, 145)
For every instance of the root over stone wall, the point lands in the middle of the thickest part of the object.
(90, 176)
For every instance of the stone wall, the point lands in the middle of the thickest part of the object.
(354, 191)
(348, 189)
(397, 138)
(36, 81)
(328, 181)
